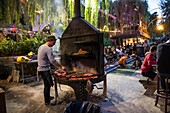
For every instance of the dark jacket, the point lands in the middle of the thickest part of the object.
(163, 59)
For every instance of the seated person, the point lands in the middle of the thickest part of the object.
(137, 63)
(149, 61)
(122, 61)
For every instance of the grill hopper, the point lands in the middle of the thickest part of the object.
(81, 48)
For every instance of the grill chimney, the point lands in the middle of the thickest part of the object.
(77, 8)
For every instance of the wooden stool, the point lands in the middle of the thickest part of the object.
(163, 93)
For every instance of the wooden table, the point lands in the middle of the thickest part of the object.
(29, 65)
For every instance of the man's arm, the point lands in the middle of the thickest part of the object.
(53, 61)
(56, 64)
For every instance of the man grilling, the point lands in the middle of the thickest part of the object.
(45, 58)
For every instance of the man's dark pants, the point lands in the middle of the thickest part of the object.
(47, 78)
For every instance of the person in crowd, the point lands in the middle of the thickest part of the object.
(122, 61)
(130, 49)
(147, 66)
(134, 48)
(145, 45)
(109, 55)
(119, 53)
(105, 50)
(137, 63)
(122, 49)
(45, 58)
(114, 54)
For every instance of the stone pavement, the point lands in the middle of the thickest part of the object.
(124, 94)
(127, 94)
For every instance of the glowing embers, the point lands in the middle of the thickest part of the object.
(75, 75)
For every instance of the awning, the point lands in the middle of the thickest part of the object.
(124, 36)
(144, 34)
(131, 34)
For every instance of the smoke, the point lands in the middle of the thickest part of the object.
(60, 5)
(58, 25)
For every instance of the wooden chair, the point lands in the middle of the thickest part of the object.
(163, 92)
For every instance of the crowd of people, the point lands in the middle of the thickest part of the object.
(155, 59)
(120, 54)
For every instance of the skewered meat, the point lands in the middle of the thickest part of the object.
(81, 52)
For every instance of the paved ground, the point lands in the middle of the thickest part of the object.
(124, 94)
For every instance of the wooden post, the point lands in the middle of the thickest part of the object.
(105, 86)
(2, 101)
